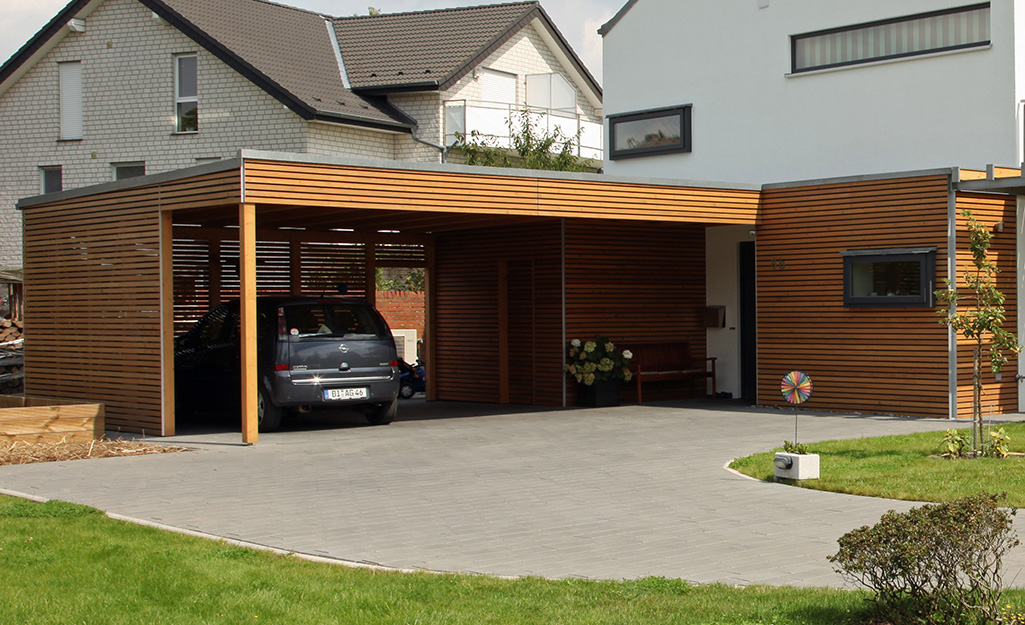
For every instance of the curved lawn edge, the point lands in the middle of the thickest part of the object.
(903, 467)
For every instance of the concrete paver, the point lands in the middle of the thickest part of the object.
(611, 493)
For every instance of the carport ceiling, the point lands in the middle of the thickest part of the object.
(273, 217)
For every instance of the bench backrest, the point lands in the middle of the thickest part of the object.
(662, 355)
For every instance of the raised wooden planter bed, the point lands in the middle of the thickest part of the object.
(44, 420)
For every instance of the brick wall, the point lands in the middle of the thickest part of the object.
(402, 310)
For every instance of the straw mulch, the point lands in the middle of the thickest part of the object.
(20, 452)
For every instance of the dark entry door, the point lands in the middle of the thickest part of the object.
(748, 322)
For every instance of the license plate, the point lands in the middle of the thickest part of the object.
(335, 394)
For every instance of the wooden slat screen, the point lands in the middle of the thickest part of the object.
(890, 360)
(92, 306)
(997, 397)
(466, 330)
(637, 282)
(323, 266)
(629, 281)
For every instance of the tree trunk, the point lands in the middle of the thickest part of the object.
(977, 400)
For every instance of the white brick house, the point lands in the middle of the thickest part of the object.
(115, 88)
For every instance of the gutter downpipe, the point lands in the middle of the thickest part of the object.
(955, 176)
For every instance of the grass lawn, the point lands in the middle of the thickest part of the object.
(899, 467)
(62, 564)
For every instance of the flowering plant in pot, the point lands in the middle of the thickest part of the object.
(597, 362)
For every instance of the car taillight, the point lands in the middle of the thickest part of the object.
(280, 367)
(394, 363)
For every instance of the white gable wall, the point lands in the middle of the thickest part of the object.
(754, 123)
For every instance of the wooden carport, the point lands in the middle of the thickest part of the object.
(566, 255)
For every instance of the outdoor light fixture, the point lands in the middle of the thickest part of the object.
(783, 462)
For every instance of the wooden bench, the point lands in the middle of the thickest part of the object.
(668, 360)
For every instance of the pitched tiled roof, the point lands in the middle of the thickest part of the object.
(291, 53)
(425, 47)
(288, 47)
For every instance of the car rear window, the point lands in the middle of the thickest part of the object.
(334, 319)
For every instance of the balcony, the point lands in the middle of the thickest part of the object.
(491, 119)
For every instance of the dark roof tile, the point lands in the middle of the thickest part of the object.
(402, 49)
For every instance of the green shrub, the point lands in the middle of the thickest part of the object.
(795, 448)
(938, 563)
(955, 443)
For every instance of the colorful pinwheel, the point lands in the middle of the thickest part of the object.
(796, 387)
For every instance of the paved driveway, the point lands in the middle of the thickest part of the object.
(603, 493)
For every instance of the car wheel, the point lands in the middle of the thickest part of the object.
(383, 414)
(269, 414)
(406, 391)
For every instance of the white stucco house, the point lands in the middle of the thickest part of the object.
(110, 89)
(777, 91)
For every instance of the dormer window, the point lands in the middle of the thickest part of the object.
(186, 89)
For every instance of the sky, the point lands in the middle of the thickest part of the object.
(578, 20)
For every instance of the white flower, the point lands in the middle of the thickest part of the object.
(628, 354)
(575, 342)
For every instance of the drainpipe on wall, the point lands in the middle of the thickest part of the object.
(444, 150)
(1019, 234)
(952, 272)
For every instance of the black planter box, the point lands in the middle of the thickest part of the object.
(601, 393)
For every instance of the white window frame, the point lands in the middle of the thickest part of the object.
(47, 171)
(503, 83)
(71, 117)
(180, 99)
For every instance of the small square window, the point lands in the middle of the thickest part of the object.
(649, 133)
(52, 179)
(889, 278)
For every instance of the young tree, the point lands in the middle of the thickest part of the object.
(534, 147)
(977, 313)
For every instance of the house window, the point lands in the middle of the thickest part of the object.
(128, 170)
(895, 277)
(551, 91)
(648, 133)
(186, 89)
(924, 33)
(498, 87)
(51, 179)
(70, 79)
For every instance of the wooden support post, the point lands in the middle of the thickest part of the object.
(429, 323)
(503, 332)
(167, 427)
(295, 267)
(247, 318)
(370, 263)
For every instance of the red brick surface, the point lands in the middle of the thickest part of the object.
(402, 310)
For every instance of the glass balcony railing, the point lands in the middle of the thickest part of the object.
(492, 120)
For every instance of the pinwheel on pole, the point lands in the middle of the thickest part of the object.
(797, 388)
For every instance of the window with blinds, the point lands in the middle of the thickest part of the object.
(925, 33)
(70, 78)
(498, 87)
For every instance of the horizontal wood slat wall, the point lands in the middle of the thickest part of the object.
(466, 314)
(888, 360)
(92, 306)
(206, 265)
(997, 397)
(637, 282)
(337, 186)
(628, 281)
(92, 295)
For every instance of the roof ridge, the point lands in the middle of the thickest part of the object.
(297, 9)
(430, 11)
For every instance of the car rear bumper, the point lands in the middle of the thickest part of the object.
(308, 391)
